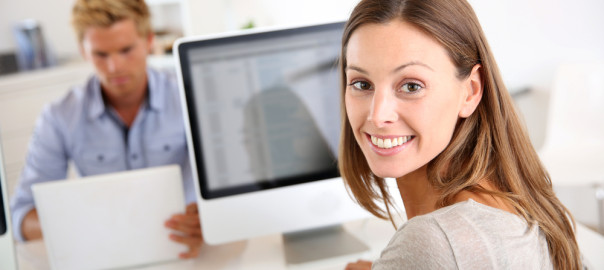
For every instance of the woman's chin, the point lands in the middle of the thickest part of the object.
(388, 172)
(391, 167)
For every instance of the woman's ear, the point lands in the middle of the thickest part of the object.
(473, 92)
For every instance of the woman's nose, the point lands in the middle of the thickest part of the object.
(383, 108)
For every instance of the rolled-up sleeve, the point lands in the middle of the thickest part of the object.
(46, 160)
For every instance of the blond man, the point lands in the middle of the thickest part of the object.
(126, 116)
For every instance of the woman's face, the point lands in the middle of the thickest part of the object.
(403, 97)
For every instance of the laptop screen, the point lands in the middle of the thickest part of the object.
(263, 108)
(126, 212)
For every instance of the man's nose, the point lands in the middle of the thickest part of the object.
(114, 63)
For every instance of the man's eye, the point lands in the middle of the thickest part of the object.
(126, 50)
(411, 87)
(361, 85)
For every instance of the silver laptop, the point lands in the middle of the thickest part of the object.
(8, 260)
(111, 221)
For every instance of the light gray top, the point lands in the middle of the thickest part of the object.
(466, 235)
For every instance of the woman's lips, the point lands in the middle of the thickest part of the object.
(389, 145)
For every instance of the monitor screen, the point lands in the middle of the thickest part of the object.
(262, 114)
(263, 108)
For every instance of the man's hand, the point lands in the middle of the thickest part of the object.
(187, 230)
(30, 226)
(359, 265)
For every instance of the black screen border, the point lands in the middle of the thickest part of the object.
(4, 211)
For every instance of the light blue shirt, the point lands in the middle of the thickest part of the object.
(80, 128)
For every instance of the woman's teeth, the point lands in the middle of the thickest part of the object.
(389, 143)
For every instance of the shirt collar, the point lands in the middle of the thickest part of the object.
(154, 95)
(97, 106)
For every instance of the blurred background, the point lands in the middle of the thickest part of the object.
(529, 37)
(531, 40)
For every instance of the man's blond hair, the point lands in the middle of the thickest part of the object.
(104, 13)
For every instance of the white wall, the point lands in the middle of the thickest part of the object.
(54, 16)
(529, 37)
(228, 15)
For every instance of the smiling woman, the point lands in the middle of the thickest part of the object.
(418, 101)
(424, 103)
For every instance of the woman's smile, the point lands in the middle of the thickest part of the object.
(388, 145)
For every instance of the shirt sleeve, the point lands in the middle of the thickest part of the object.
(46, 160)
(419, 244)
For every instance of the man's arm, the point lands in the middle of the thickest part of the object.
(46, 160)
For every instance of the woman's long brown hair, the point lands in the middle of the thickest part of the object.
(490, 144)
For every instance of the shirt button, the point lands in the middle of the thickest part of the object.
(100, 158)
(166, 148)
(134, 156)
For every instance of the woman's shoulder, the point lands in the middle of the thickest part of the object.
(431, 230)
(419, 244)
(466, 235)
(471, 216)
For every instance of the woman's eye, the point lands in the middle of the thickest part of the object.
(411, 87)
(361, 85)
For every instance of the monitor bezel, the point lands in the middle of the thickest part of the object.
(183, 49)
(3, 207)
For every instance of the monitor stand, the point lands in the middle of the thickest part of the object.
(318, 244)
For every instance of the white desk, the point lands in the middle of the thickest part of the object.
(263, 253)
(592, 246)
(266, 253)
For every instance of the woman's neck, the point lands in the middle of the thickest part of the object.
(419, 197)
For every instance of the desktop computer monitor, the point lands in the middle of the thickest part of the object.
(263, 121)
(8, 260)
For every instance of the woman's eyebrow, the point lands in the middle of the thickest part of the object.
(412, 63)
(356, 69)
(397, 69)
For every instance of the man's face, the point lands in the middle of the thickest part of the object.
(119, 56)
